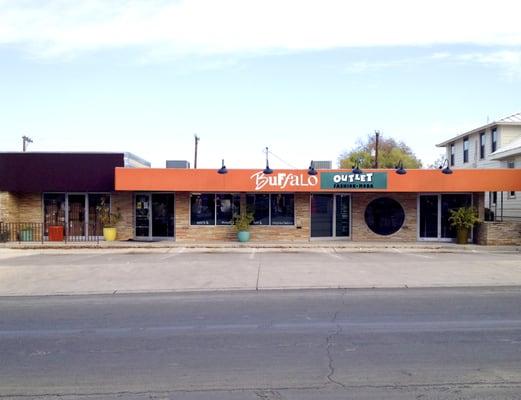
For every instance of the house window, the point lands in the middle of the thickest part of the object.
(452, 154)
(272, 209)
(482, 139)
(511, 195)
(511, 164)
(494, 197)
(213, 209)
(494, 140)
(466, 150)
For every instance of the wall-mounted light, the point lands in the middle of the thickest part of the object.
(267, 170)
(311, 169)
(223, 169)
(446, 170)
(400, 170)
(356, 167)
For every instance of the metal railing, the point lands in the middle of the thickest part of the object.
(38, 232)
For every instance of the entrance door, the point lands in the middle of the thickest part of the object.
(154, 216)
(428, 221)
(321, 215)
(76, 216)
(330, 215)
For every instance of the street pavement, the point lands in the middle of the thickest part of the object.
(335, 344)
(179, 269)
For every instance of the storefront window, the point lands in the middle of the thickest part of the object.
(384, 216)
(227, 205)
(451, 202)
(272, 209)
(95, 201)
(282, 209)
(202, 211)
(259, 204)
(214, 209)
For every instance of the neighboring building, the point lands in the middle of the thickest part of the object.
(177, 164)
(323, 164)
(63, 190)
(494, 145)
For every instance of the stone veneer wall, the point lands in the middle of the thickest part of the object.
(124, 201)
(360, 231)
(500, 233)
(21, 207)
(188, 233)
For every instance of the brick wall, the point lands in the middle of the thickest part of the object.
(124, 201)
(499, 233)
(188, 233)
(361, 232)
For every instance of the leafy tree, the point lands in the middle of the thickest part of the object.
(390, 153)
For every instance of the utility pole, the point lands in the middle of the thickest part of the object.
(377, 136)
(196, 138)
(26, 140)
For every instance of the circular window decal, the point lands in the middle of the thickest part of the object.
(384, 216)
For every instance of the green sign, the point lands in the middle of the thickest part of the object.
(348, 180)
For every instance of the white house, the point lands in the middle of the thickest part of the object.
(494, 145)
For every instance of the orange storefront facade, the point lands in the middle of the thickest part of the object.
(197, 205)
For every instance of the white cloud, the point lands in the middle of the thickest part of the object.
(58, 28)
(508, 60)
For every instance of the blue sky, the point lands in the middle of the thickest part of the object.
(306, 78)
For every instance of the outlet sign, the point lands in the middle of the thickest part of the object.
(348, 180)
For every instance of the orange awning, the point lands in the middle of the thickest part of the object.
(253, 180)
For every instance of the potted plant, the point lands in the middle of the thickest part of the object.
(242, 225)
(463, 219)
(108, 221)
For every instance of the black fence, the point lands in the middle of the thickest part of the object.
(38, 232)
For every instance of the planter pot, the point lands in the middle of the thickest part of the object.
(26, 236)
(109, 234)
(56, 233)
(462, 236)
(243, 236)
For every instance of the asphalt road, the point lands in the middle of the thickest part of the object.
(337, 344)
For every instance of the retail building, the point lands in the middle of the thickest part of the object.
(197, 205)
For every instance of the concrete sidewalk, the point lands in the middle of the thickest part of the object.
(182, 269)
(279, 245)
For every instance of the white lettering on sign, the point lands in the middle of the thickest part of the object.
(353, 178)
(283, 180)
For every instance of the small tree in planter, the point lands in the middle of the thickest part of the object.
(242, 225)
(463, 219)
(108, 221)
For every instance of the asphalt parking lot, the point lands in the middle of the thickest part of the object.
(89, 271)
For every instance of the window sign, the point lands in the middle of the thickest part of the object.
(227, 205)
(202, 211)
(349, 180)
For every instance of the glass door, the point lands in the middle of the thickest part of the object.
(330, 215)
(321, 215)
(428, 221)
(142, 223)
(154, 216)
(163, 215)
